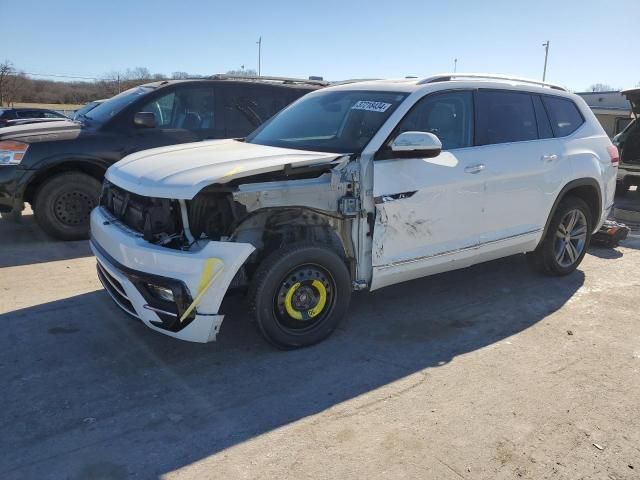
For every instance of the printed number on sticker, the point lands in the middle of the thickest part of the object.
(371, 106)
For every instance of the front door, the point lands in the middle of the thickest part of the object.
(184, 114)
(429, 211)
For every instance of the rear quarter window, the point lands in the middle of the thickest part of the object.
(564, 114)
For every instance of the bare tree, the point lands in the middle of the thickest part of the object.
(6, 70)
(601, 87)
(16, 86)
(179, 75)
(243, 73)
(138, 74)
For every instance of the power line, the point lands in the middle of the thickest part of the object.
(58, 75)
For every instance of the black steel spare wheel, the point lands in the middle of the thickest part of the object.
(305, 298)
(299, 294)
(73, 207)
(63, 205)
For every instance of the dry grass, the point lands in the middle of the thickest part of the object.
(51, 106)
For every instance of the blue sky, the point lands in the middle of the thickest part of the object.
(590, 41)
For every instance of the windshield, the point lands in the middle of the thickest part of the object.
(83, 111)
(114, 105)
(330, 121)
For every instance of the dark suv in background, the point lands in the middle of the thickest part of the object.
(16, 116)
(58, 167)
(628, 143)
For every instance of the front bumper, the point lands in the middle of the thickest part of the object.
(126, 262)
(9, 199)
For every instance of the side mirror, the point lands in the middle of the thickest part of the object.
(416, 145)
(144, 120)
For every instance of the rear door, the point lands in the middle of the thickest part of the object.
(515, 144)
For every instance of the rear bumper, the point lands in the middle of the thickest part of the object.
(127, 263)
(629, 174)
(9, 198)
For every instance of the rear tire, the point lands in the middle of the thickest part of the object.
(566, 240)
(299, 295)
(63, 204)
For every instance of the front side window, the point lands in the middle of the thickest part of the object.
(449, 116)
(504, 117)
(329, 121)
(189, 108)
(565, 116)
(29, 114)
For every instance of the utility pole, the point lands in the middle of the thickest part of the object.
(118, 82)
(546, 55)
(259, 42)
(455, 65)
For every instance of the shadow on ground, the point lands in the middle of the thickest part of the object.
(23, 243)
(90, 393)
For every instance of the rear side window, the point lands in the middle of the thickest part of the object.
(52, 115)
(565, 116)
(504, 117)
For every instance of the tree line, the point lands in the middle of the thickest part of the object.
(18, 87)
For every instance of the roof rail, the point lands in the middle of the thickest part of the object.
(223, 76)
(446, 77)
(352, 80)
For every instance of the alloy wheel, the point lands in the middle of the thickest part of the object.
(571, 238)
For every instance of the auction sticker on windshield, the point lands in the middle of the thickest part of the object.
(370, 106)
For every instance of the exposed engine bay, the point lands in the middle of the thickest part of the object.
(315, 203)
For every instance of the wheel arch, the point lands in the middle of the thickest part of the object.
(95, 168)
(269, 229)
(588, 190)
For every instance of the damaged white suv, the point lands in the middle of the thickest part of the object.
(352, 187)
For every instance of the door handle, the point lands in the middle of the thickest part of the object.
(550, 157)
(474, 168)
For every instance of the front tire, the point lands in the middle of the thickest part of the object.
(63, 205)
(566, 240)
(299, 295)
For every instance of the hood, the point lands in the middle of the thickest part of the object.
(34, 132)
(181, 171)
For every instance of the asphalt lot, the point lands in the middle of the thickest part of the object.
(492, 372)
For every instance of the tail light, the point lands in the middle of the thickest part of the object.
(614, 155)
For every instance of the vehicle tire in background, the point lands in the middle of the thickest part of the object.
(63, 204)
(300, 294)
(566, 241)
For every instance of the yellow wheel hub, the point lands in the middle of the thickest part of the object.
(312, 312)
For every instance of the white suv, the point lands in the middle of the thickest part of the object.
(353, 187)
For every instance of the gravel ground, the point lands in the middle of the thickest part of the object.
(492, 372)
